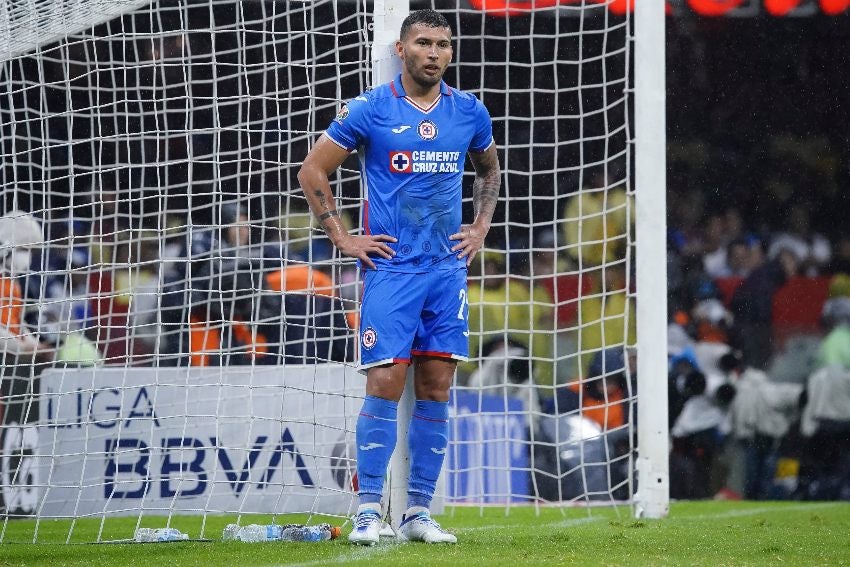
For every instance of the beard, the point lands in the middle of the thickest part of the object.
(419, 77)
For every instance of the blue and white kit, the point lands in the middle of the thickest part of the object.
(411, 162)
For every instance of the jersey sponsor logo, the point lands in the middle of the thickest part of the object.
(401, 129)
(427, 130)
(342, 114)
(370, 446)
(401, 162)
(369, 338)
(438, 451)
(406, 161)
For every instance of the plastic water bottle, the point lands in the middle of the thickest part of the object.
(319, 532)
(146, 535)
(252, 533)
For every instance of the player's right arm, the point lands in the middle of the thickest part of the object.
(325, 158)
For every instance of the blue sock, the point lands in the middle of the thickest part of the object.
(428, 438)
(376, 436)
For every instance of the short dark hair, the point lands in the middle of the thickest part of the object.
(430, 18)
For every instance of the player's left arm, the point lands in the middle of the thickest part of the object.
(485, 196)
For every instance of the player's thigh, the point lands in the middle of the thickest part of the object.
(389, 316)
(443, 329)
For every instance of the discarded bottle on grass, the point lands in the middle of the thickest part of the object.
(253, 533)
(319, 532)
(146, 535)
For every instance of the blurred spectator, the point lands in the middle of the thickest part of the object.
(711, 320)
(714, 242)
(834, 349)
(582, 432)
(68, 286)
(683, 365)
(752, 307)
(685, 211)
(742, 256)
(298, 240)
(20, 233)
(760, 416)
(596, 222)
(64, 334)
(603, 315)
(236, 237)
(825, 426)
(812, 250)
(243, 318)
(66, 315)
(126, 288)
(552, 271)
(840, 262)
(245, 310)
(506, 308)
(505, 371)
(698, 434)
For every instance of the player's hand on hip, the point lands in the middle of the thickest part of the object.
(471, 239)
(361, 246)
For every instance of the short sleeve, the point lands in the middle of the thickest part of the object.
(483, 137)
(348, 128)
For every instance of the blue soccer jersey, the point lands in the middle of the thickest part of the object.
(411, 163)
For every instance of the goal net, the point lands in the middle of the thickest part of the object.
(178, 337)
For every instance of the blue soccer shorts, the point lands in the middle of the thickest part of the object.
(404, 315)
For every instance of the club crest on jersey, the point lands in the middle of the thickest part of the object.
(342, 114)
(427, 130)
(369, 338)
(401, 162)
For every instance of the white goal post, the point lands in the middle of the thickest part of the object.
(653, 496)
(197, 334)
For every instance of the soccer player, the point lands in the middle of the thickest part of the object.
(412, 136)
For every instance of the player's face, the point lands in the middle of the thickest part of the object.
(426, 53)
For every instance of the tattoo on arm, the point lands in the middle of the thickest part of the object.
(322, 201)
(488, 180)
(325, 216)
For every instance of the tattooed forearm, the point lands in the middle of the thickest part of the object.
(485, 188)
(320, 195)
(321, 203)
(485, 194)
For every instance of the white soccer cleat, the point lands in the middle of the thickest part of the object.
(367, 528)
(421, 527)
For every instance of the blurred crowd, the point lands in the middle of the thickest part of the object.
(758, 337)
(758, 345)
(105, 290)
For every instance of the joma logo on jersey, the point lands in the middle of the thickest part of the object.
(424, 162)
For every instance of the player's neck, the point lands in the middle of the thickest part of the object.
(422, 96)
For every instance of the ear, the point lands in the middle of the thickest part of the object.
(399, 49)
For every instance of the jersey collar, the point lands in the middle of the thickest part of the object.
(398, 89)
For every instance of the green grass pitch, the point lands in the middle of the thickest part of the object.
(696, 533)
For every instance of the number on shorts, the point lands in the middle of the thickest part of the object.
(463, 302)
